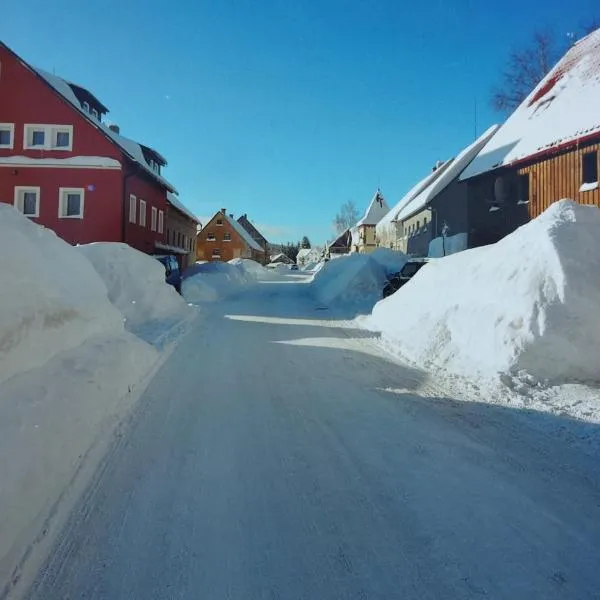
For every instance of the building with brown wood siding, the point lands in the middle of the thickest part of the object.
(257, 236)
(223, 239)
(547, 150)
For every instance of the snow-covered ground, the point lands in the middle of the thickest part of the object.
(517, 319)
(71, 367)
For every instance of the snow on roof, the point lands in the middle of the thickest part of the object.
(176, 202)
(306, 252)
(561, 109)
(447, 176)
(392, 215)
(376, 210)
(243, 233)
(94, 162)
(131, 148)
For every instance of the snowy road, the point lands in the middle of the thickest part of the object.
(276, 455)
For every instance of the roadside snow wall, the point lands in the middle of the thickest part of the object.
(356, 280)
(135, 283)
(51, 299)
(525, 305)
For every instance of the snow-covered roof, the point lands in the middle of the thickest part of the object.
(92, 162)
(392, 215)
(130, 147)
(447, 176)
(563, 108)
(243, 233)
(176, 202)
(376, 210)
(306, 252)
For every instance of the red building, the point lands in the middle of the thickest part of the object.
(64, 168)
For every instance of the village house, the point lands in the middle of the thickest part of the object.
(281, 258)
(181, 231)
(257, 236)
(363, 233)
(223, 239)
(547, 149)
(308, 255)
(341, 245)
(64, 168)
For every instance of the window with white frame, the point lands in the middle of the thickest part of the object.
(27, 200)
(48, 137)
(142, 213)
(7, 134)
(153, 218)
(86, 106)
(227, 236)
(95, 114)
(211, 237)
(70, 203)
(132, 207)
(161, 221)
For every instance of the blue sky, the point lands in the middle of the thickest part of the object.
(285, 109)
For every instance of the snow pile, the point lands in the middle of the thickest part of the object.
(252, 269)
(50, 298)
(212, 281)
(356, 280)
(135, 282)
(526, 306)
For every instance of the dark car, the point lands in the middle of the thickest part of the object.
(172, 272)
(408, 271)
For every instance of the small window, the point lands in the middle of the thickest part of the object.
(211, 237)
(95, 114)
(220, 222)
(27, 200)
(184, 241)
(418, 224)
(142, 213)
(161, 222)
(425, 222)
(62, 139)
(153, 215)
(6, 135)
(227, 236)
(523, 188)
(86, 106)
(590, 167)
(70, 203)
(216, 252)
(38, 137)
(132, 208)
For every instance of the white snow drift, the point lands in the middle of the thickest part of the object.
(135, 283)
(356, 281)
(525, 305)
(51, 299)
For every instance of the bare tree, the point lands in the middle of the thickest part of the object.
(525, 69)
(346, 217)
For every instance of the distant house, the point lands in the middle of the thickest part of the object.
(223, 239)
(257, 236)
(341, 245)
(181, 231)
(63, 167)
(441, 209)
(363, 233)
(307, 256)
(545, 151)
(281, 258)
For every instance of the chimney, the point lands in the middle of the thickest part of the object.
(231, 215)
(224, 211)
(114, 127)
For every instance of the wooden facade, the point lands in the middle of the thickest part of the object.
(557, 177)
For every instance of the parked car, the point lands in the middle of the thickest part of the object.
(408, 271)
(172, 272)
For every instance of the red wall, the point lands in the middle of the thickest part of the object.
(31, 100)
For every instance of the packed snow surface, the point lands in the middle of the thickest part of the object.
(356, 280)
(525, 306)
(51, 299)
(135, 282)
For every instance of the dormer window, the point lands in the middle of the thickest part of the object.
(86, 107)
(95, 114)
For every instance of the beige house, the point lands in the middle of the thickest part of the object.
(363, 233)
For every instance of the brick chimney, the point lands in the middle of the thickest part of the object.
(224, 211)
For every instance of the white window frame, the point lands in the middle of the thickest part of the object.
(161, 221)
(225, 239)
(62, 193)
(50, 136)
(86, 106)
(211, 237)
(10, 127)
(17, 200)
(153, 218)
(142, 213)
(133, 208)
(219, 224)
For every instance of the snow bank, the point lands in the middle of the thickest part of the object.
(212, 281)
(356, 280)
(525, 306)
(135, 282)
(51, 299)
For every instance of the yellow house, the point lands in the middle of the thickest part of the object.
(363, 233)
